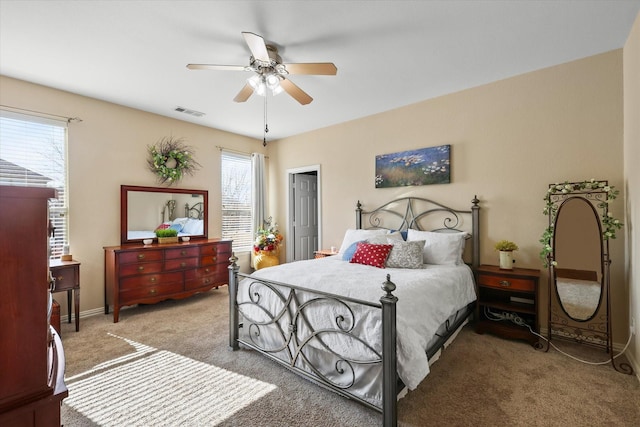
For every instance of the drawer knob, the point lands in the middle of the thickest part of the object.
(214, 258)
(59, 278)
(153, 279)
(153, 291)
(141, 268)
(183, 264)
(206, 270)
(140, 256)
(183, 252)
(206, 281)
(505, 283)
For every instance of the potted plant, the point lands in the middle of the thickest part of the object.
(506, 248)
(167, 235)
(266, 246)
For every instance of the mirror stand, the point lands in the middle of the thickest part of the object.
(576, 253)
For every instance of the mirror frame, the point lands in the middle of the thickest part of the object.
(124, 198)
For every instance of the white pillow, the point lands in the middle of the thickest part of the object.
(193, 227)
(440, 248)
(352, 235)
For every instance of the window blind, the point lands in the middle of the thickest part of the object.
(33, 154)
(236, 200)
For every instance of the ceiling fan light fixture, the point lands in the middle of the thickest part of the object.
(272, 80)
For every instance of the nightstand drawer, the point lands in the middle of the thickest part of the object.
(511, 283)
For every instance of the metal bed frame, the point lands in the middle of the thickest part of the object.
(299, 337)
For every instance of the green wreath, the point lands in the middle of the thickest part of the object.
(170, 160)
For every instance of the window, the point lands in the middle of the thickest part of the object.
(33, 154)
(236, 200)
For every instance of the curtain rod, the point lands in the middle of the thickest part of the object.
(41, 114)
(236, 151)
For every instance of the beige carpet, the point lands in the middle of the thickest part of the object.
(169, 365)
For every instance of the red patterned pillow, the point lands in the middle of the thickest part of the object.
(163, 226)
(370, 254)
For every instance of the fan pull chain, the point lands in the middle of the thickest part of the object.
(266, 126)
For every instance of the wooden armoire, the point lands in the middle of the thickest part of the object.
(31, 354)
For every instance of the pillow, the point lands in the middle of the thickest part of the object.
(406, 254)
(348, 253)
(177, 227)
(374, 255)
(440, 248)
(403, 233)
(193, 226)
(383, 238)
(163, 226)
(352, 235)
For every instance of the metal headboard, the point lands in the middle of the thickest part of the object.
(424, 214)
(196, 211)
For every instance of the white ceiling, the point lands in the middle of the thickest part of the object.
(388, 53)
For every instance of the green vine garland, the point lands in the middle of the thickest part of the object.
(609, 223)
(170, 160)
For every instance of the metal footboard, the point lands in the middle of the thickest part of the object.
(298, 341)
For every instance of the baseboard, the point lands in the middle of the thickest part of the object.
(87, 313)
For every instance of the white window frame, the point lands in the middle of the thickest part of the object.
(236, 189)
(34, 150)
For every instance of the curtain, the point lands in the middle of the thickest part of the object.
(259, 191)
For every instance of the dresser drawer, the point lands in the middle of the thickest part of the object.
(511, 283)
(180, 263)
(150, 280)
(64, 278)
(158, 290)
(182, 252)
(140, 256)
(206, 276)
(140, 268)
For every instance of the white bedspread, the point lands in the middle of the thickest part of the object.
(426, 298)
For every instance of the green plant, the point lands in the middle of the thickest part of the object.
(506, 245)
(170, 159)
(610, 224)
(166, 232)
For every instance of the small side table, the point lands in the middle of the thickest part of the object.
(66, 277)
(323, 253)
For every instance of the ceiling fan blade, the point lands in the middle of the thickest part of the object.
(216, 67)
(298, 94)
(257, 46)
(244, 93)
(318, 68)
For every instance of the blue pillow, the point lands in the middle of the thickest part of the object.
(348, 253)
(402, 233)
(177, 227)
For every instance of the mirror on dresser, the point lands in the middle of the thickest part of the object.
(576, 250)
(144, 209)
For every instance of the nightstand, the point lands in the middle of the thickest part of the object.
(506, 299)
(323, 253)
(66, 277)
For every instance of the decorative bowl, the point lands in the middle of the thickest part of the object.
(147, 241)
(186, 238)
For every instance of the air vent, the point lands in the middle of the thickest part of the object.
(190, 112)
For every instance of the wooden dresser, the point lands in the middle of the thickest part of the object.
(31, 355)
(147, 274)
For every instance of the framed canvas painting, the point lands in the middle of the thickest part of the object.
(424, 166)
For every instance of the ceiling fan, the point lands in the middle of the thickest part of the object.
(270, 72)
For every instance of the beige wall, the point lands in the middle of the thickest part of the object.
(632, 181)
(509, 140)
(108, 149)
